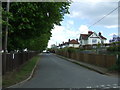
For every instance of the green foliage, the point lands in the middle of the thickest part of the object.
(114, 68)
(98, 45)
(81, 49)
(70, 49)
(114, 47)
(19, 74)
(30, 23)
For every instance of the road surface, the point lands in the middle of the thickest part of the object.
(55, 72)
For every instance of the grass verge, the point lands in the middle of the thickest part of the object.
(114, 68)
(20, 74)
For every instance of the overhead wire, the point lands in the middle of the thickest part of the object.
(103, 17)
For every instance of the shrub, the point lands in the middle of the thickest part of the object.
(70, 49)
(116, 48)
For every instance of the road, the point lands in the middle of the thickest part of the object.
(55, 72)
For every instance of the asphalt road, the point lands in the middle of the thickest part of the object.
(55, 72)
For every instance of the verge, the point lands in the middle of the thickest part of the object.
(21, 75)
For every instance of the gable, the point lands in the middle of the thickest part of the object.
(91, 35)
(94, 35)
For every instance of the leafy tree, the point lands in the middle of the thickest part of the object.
(31, 23)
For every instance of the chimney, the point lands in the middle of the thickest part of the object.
(69, 40)
(77, 40)
(99, 33)
(63, 42)
(89, 32)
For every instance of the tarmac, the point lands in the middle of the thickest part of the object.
(95, 68)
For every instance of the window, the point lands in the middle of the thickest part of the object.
(94, 40)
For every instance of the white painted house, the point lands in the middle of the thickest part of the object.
(91, 38)
(71, 43)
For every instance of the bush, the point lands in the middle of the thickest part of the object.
(70, 49)
(114, 68)
(117, 48)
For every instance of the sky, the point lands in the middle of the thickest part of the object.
(84, 14)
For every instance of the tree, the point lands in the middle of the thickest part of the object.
(31, 23)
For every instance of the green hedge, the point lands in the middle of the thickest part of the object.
(115, 48)
(70, 49)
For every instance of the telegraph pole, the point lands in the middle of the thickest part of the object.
(6, 30)
(5, 40)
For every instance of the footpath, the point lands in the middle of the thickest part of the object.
(98, 69)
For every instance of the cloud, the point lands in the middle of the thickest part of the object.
(112, 26)
(70, 22)
(73, 14)
(83, 29)
(58, 35)
(112, 34)
(94, 12)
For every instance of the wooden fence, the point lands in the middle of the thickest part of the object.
(95, 59)
(15, 60)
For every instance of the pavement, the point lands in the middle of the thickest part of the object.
(55, 72)
(98, 69)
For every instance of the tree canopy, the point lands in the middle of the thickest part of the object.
(30, 23)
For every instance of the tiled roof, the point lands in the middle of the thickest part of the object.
(103, 37)
(69, 42)
(73, 42)
(85, 36)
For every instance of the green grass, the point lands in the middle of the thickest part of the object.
(114, 68)
(20, 74)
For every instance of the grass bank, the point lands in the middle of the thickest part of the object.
(20, 74)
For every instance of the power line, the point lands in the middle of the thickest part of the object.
(103, 17)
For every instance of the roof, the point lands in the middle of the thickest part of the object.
(73, 42)
(103, 37)
(85, 36)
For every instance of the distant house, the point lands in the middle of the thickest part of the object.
(71, 43)
(91, 38)
(53, 46)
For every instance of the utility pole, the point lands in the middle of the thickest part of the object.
(5, 40)
(6, 30)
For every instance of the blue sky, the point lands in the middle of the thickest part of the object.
(82, 15)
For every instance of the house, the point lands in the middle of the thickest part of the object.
(71, 43)
(91, 38)
(53, 46)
